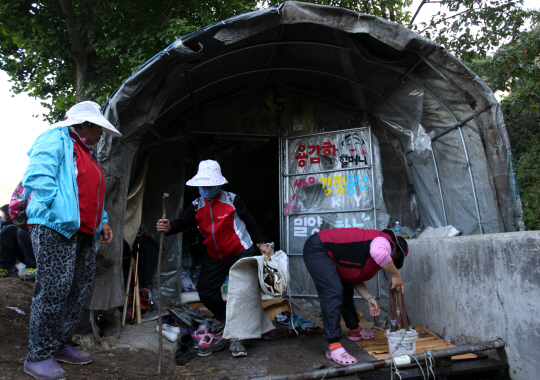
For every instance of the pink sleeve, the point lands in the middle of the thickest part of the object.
(380, 250)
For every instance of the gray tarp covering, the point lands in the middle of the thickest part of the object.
(299, 68)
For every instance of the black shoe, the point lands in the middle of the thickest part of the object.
(184, 354)
(237, 348)
(186, 340)
(274, 334)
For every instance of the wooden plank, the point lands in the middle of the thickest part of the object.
(378, 346)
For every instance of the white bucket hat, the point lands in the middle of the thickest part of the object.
(209, 174)
(87, 111)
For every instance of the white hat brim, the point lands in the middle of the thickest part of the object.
(94, 119)
(201, 180)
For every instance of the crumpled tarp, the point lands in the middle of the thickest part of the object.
(246, 318)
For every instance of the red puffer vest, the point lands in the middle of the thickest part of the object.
(91, 184)
(225, 234)
(349, 250)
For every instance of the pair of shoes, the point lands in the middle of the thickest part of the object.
(283, 318)
(297, 331)
(212, 325)
(314, 331)
(210, 343)
(355, 336)
(73, 356)
(185, 351)
(237, 348)
(197, 336)
(29, 275)
(8, 272)
(45, 370)
(169, 328)
(274, 334)
(340, 356)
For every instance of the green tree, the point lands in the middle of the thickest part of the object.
(514, 70)
(66, 51)
(471, 29)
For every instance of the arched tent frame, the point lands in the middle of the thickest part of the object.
(440, 118)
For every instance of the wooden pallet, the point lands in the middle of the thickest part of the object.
(378, 346)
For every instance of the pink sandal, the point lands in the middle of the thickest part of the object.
(341, 357)
(355, 336)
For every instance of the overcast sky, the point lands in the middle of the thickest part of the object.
(19, 128)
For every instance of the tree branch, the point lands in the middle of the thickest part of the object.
(169, 12)
(75, 37)
(417, 11)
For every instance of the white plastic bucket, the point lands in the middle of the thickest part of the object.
(21, 267)
(402, 342)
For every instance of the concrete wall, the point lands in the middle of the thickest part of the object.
(477, 288)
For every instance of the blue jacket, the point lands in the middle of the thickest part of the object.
(51, 176)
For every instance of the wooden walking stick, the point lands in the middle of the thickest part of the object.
(165, 199)
(127, 291)
(136, 293)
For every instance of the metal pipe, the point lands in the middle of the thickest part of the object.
(325, 73)
(327, 171)
(326, 133)
(285, 182)
(330, 211)
(457, 125)
(439, 184)
(378, 364)
(281, 181)
(398, 82)
(312, 295)
(472, 181)
(277, 44)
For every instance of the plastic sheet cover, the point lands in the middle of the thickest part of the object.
(336, 57)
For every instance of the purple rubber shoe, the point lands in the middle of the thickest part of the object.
(73, 356)
(45, 370)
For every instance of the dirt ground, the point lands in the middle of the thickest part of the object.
(113, 360)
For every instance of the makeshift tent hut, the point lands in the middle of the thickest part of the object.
(308, 108)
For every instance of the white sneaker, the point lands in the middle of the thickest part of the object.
(173, 329)
(167, 333)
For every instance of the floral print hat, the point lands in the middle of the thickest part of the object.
(209, 174)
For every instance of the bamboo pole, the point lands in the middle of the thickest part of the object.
(160, 322)
(127, 292)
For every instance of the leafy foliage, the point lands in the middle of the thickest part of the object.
(72, 50)
(514, 70)
(471, 29)
(390, 10)
(528, 176)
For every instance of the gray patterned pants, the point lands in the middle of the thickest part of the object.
(64, 279)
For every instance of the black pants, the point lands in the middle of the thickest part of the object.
(335, 297)
(16, 244)
(213, 275)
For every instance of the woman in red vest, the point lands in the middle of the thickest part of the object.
(339, 261)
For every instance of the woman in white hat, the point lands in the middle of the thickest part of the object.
(65, 214)
(229, 232)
